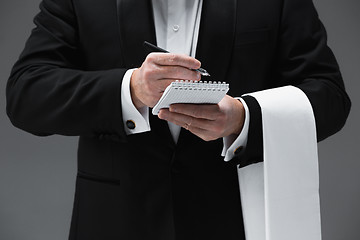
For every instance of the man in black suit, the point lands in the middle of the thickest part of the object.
(144, 185)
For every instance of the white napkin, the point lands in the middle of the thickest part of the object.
(280, 197)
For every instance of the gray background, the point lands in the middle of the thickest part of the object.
(37, 175)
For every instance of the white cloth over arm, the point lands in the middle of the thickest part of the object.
(280, 196)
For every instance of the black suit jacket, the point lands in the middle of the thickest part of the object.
(143, 186)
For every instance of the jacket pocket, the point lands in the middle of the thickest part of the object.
(96, 178)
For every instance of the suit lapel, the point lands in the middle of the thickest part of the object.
(216, 37)
(136, 24)
(215, 44)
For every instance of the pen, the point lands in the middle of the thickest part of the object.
(152, 48)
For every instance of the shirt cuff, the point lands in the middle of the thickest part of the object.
(235, 144)
(135, 120)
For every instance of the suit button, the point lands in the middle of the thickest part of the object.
(130, 124)
(238, 150)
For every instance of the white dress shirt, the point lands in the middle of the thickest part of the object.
(177, 24)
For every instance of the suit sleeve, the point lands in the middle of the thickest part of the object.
(303, 60)
(49, 92)
(308, 63)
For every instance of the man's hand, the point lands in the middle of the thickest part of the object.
(208, 122)
(157, 71)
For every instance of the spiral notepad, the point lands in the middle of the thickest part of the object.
(191, 92)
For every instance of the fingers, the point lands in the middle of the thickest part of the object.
(172, 66)
(186, 121)
(208, 111)
(203, 128)
(170, 73)
(157, 71)
(171, 59)
(178, 73)
(208, 122)
(203, 133)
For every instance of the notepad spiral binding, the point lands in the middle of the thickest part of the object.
(203, 92)
(201, 85)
